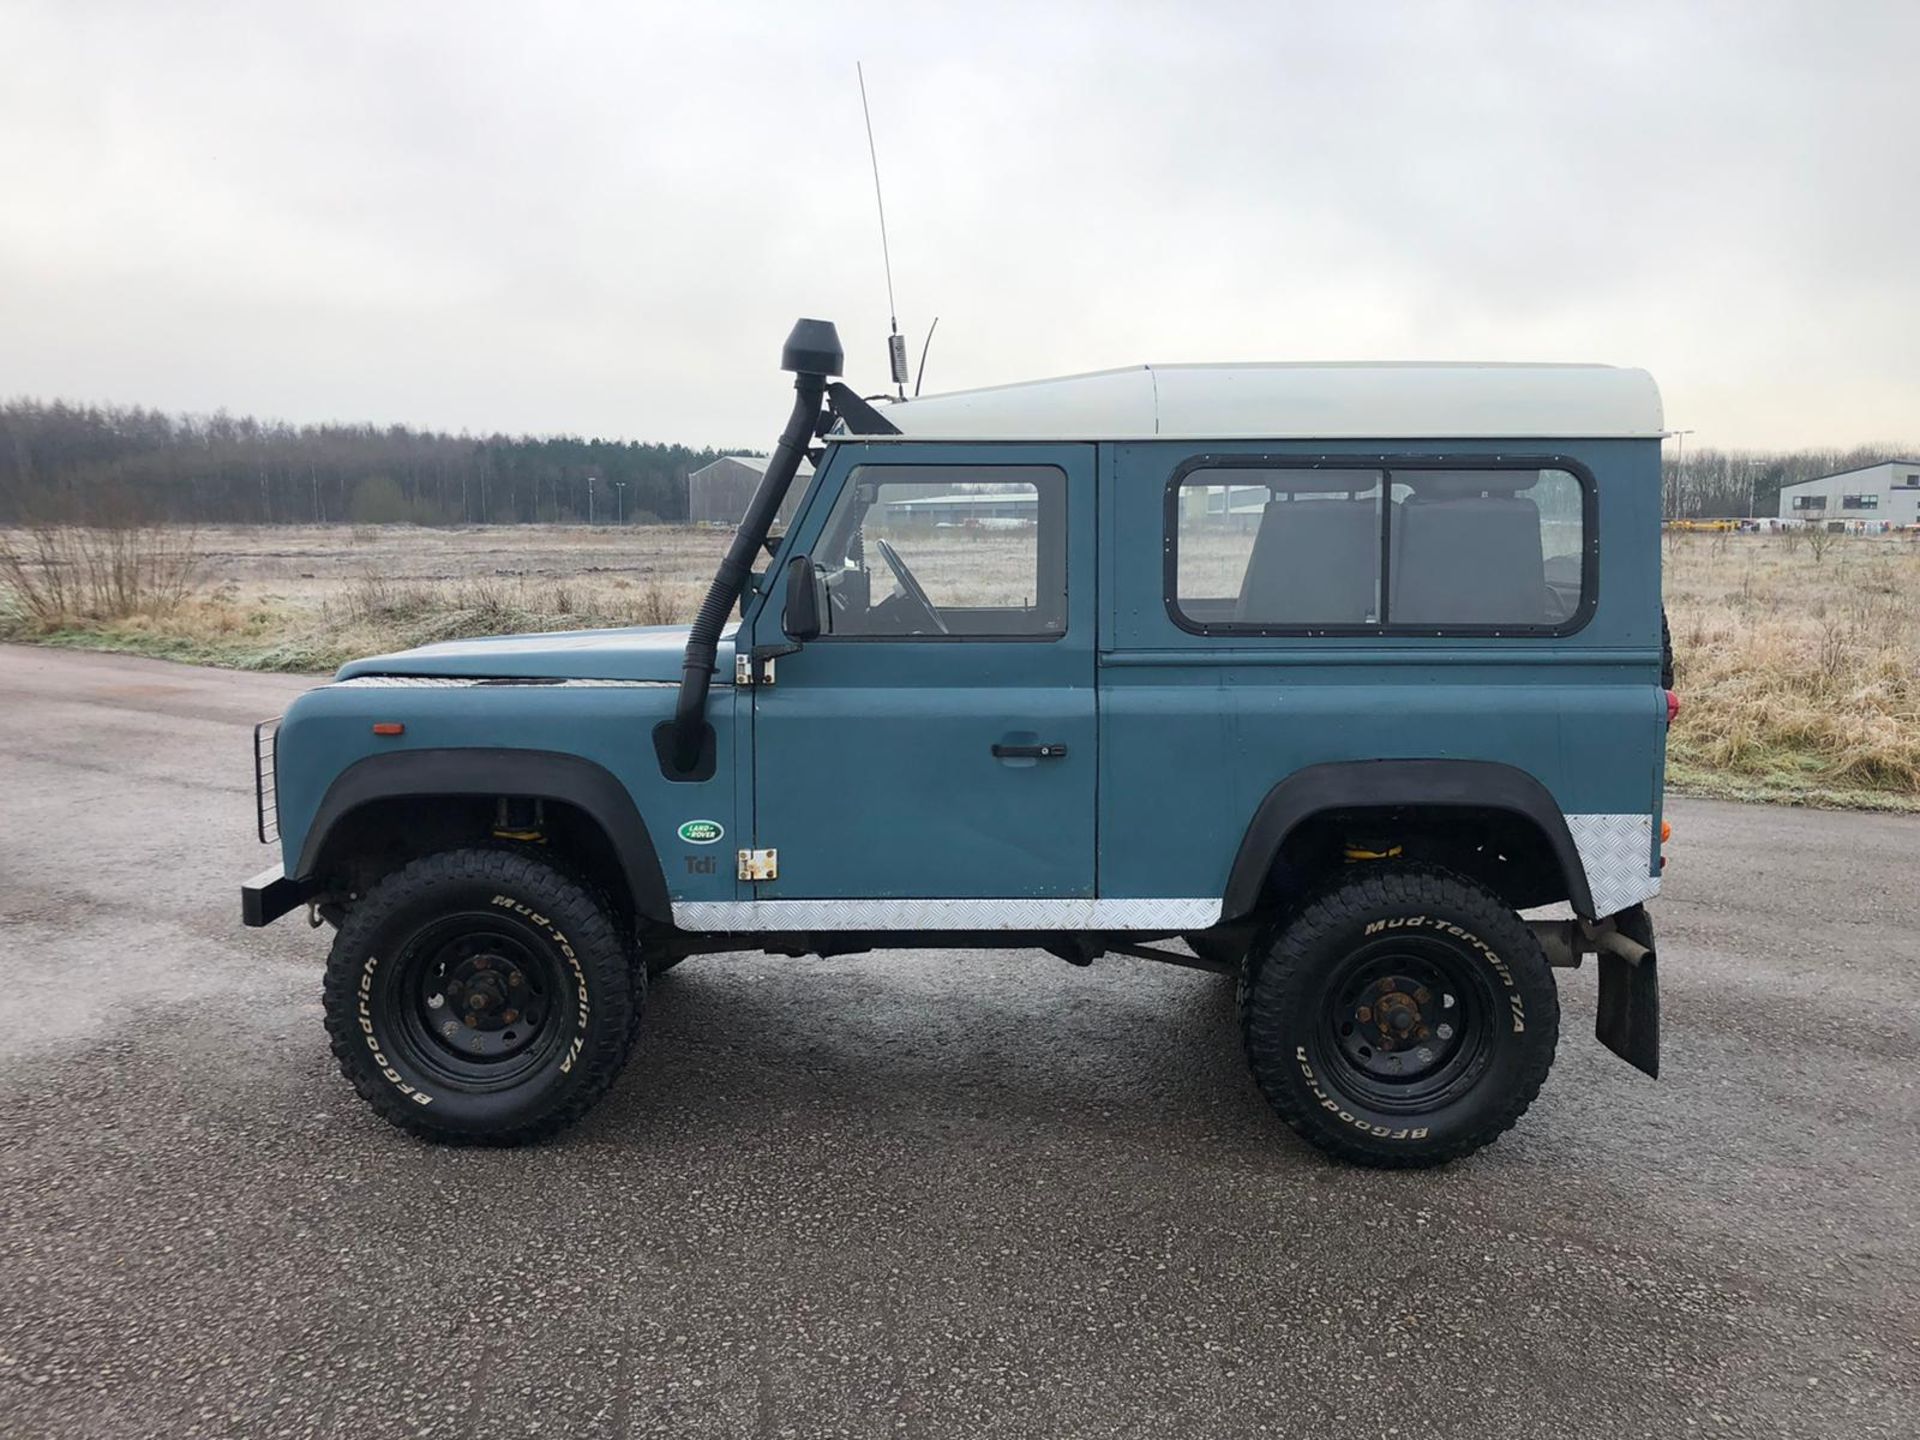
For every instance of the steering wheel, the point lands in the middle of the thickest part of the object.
(909, 584)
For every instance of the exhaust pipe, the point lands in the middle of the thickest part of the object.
(812, 355)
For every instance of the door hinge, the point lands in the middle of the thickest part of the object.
(756, 666)
(759, 864)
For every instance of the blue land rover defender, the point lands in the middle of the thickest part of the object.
(1315, 675)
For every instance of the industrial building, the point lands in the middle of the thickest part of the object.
(991, 508)
(1875, 497)
(717, 494)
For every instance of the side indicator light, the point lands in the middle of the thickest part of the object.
(1666, 831)
(389, 727)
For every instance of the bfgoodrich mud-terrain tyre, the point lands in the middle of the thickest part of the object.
(1402, 1017)
(481, 997)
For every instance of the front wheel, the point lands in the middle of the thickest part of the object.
(1402, 1017)
(481, 997)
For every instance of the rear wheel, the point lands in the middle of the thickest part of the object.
(1403, 1017)
(481, 996)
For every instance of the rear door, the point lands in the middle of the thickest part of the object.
(936, 742)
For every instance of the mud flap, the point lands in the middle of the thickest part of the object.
(1628, 1019)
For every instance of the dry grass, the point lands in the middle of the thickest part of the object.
(1799, 660)
(1799, 666)
(311, 598)
(59, 575)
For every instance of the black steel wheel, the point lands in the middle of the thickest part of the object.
(478, 995)
(1404, 1016)
(481, 996)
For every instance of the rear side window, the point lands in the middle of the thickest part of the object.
(1352, 548)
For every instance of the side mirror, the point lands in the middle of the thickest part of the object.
(803, 600)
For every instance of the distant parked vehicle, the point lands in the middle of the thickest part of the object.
(1326, 671)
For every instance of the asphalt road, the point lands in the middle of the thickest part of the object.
(921, 1194)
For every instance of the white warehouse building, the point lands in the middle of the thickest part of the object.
(1874, 498)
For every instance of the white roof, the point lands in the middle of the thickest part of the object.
(1298, 401)
(756, 463)
(752, 462)
(1887, 465)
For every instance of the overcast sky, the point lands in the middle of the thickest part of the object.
(603, 218)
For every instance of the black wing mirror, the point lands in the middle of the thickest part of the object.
(803, 599)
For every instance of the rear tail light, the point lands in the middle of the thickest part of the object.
(1673, 706)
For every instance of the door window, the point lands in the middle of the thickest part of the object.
(946, 551)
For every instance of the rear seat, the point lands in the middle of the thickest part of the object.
(1465, 553)
(1314, 562)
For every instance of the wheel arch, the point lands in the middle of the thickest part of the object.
(603, 825)
(1317, 792)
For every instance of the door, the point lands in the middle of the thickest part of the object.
(936, 741)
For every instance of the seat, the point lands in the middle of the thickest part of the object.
(1314, 562)
(1468, 559)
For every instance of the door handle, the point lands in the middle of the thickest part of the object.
(1029, 752)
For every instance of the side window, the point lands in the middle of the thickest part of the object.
(946, 550)
(1375, 549)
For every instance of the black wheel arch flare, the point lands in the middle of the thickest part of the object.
(521, 774)
(1354, 784)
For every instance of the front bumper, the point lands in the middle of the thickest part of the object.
(270, 894)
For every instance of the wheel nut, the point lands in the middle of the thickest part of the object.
(516, 979)
(473, 1019)
(509, 1016)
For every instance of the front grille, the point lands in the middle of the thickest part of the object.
(266, 788)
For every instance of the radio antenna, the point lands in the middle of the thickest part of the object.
(896, 342)
(922, 373)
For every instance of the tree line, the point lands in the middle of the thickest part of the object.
(90, 463)
(1724, 484)
(84, 462)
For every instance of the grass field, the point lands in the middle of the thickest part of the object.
(312, 597)
(1798, 660)
(1799, 667)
